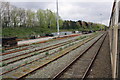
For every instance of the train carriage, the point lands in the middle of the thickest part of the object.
(114, 34)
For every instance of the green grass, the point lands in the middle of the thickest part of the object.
(81, 37)
(24, 32)
(47, 53)
(26, 62)
(60, 48)
(2, 64)
(36, 53)
(3, 51)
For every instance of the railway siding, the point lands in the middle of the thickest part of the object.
(39, 56)
(54, 67)
(8, 68)
(48, 60)
(38, 46)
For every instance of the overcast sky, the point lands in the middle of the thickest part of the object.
(86, 10)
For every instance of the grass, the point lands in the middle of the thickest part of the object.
(36, 53)
(26, 62)
(47, 53)
(23, 32)
(69, 45)
(2, 64)
(3, 51)
(61, 48)
(66, 46)
(82, 37)
(0, 77)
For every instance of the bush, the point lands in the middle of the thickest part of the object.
(47, 53)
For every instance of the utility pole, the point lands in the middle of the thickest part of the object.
(58, 31)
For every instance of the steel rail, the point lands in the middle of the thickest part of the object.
(92, 61)
(56, 45)
(32, 54)
(38, 59)
(68, 66)
(28, 46)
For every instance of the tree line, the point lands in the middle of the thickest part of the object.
(23, 22)
(11, 16)
(81, 25)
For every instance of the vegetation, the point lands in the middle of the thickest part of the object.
(26, 62)
(24, 32)
(36, 53)
(47, 53)
(21, 22)
(2, 64)
(25, 22)
(81, 26)
(61, 48)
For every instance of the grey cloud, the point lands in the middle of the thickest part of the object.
(91, 11)
(31, 5)
(87, 11)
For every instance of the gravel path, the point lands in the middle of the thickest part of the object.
(102, 66)
(54, 67)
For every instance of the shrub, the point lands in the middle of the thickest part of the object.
(3, 50)
(36, 53)
(2, 64)
(47, 53)
(61, 48)
(26, 62)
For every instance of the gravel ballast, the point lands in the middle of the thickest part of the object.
(102, 65)
(29, 59)
(53, 68)
(39, 46)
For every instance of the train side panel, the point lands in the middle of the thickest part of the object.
(114, 34)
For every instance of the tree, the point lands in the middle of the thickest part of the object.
(15, 16)
(51, 19)
(5, 13)
(41, 18)
(30, 18)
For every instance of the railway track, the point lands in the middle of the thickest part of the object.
(81, 65)
(17, 58)
(32, 53)
(32, 64)
(28, 55)
(43, 50)
(26, 47)
(20, 48)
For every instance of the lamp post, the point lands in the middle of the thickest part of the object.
(57, 16)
